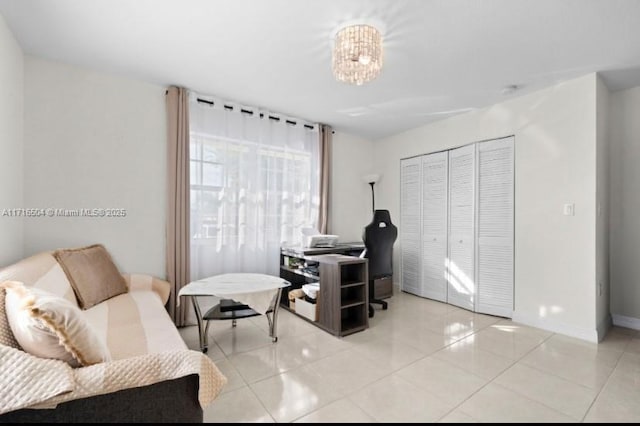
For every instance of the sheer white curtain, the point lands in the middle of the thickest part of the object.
(254, 185)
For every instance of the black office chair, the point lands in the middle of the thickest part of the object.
(378, 237)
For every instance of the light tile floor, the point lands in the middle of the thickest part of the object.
(421, 361)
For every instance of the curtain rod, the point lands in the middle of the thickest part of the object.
(246, 111)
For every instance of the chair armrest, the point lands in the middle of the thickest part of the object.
(143, 282)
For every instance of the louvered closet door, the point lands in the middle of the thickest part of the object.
(434, 225)
(460, 264)
(410, 212)
(495, 227)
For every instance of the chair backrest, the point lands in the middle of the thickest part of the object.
(378, 237)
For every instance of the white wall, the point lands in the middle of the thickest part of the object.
(11, 141)
(603, 317)
(555, 137)
(624, 134)
(350, 204)
(94, 140)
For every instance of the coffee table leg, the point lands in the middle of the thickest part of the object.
(202, 331)
(273, 321)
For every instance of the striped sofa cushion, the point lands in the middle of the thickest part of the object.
(41, 271)
(133, 324)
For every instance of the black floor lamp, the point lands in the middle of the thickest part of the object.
(371, 180)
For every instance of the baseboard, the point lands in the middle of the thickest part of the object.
(627, 322)
(556, 327)
(603, 327)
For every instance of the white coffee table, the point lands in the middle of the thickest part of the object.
(243, 295)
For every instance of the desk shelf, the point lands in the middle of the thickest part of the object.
(343, 294)
(352, 295)
(352, 325)
(343, 301)
(352, 284)
(351, 303)
(299, 272)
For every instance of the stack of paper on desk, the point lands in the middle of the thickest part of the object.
(311, 290)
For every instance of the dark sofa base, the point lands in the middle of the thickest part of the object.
(172, 401)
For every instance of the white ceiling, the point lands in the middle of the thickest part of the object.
(442, 57)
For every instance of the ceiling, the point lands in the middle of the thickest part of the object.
(442, 57)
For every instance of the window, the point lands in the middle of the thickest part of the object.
(254, 186)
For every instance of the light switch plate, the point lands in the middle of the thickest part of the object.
(569, 209)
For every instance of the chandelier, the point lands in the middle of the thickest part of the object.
(357, 54)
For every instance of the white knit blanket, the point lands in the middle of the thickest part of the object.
(28, 381)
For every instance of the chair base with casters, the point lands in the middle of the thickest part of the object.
(373, 300)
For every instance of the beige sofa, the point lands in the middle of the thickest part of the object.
(152, 375)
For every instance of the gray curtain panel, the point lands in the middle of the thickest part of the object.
(325, 172)
(178, 241)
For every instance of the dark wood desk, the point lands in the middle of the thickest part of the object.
(383, 288)
(291, 257)
(349, 249)
(343, 300)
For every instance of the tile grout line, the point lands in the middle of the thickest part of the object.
(262, 404)
(517, 361)
(606, 381)
(492, 380)
(554, 374)
(348, 395)
(250, 385)
(457, 366)
(563, 379)
(542, 371)
(247, 384)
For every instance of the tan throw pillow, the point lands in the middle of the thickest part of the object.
(92, 274)
(48, 326)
